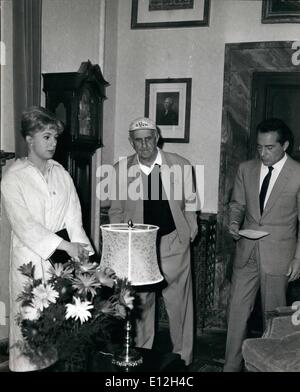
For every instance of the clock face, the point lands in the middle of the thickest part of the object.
(86, 115)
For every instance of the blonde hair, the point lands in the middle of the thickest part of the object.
(36, 119)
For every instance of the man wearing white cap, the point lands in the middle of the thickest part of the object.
(169, 201)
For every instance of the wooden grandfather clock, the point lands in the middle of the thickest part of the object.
(77, 99)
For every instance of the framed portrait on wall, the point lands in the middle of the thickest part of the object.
(168, 103)
(281, 11)
(151, 14)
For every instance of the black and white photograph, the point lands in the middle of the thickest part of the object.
(150, 192)
(167, 108)
(168, 102)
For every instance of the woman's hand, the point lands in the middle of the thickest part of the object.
(76, 250)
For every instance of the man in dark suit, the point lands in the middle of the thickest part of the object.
(168, 116)
(266, 197)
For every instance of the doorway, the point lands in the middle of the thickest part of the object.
(242, 62)
(276, 94)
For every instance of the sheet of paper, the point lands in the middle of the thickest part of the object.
(253, 234)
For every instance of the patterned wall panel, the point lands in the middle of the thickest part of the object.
(203, 252)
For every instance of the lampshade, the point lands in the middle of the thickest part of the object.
(131, 252)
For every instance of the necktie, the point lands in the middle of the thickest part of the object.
(264, 189)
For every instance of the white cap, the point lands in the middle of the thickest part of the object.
(142, 123)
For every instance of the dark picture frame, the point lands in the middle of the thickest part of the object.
(280, 11)
(168, 103)
(169, 15)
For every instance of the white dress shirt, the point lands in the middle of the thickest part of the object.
(277, 167)
(148, 169)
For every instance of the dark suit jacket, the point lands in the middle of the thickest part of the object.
(279, 218)
(170, 118)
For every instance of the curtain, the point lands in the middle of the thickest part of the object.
(27, 20)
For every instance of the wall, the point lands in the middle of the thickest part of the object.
(70, 34)
(110, 73)
(188, 52)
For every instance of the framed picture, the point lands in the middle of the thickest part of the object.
(281, 11)
(151, 14)
(168, 103)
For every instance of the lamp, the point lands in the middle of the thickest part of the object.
(130, 250)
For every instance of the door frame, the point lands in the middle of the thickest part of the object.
(241, 61)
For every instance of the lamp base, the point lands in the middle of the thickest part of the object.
(127, 358)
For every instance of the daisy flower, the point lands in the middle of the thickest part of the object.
(79, 310)
(126, 298)
(85, 284)
(43, 295)
(30, 313)
(60, 271)
(86, 266)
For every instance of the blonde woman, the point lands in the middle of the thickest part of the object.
(40, 199)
